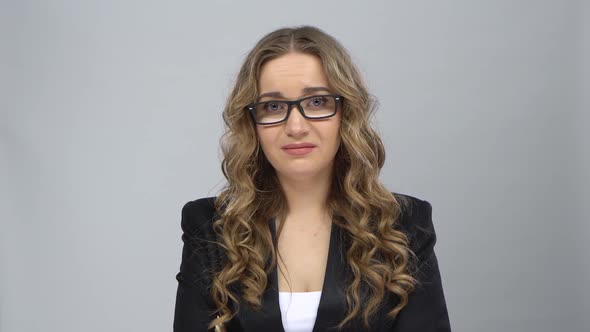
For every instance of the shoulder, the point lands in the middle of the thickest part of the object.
(198, 216)
(200, 252)
(414, 211)
(416, 221)
(426, 308)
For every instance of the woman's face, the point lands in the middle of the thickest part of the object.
(288, 75)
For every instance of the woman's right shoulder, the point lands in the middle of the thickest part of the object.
(201, 252)
(198, 216)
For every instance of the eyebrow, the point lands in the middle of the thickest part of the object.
(307, 90)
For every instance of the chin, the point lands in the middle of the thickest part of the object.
(300, 172)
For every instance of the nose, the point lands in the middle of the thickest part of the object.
(296, 124)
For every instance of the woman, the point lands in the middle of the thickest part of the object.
(304, 236)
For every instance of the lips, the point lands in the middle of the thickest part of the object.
(298, 146)
(298, 149)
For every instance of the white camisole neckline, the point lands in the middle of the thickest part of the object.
(299, 310)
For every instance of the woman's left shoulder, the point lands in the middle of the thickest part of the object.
(426, 309)
(416, 220)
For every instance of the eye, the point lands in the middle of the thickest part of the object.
(317, 101)
(272, 107)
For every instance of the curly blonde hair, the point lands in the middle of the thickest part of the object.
(378, 254)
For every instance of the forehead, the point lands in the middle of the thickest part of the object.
(290, 73)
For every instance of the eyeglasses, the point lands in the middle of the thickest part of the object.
(276, 111)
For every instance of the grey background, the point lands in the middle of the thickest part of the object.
(110, 115)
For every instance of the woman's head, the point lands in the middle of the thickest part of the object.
(296, 76)
(287, 61)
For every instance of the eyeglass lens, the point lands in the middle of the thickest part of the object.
(313, 107)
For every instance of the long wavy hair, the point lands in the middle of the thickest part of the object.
(377, 253)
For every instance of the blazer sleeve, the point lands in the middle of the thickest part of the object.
(194, 306)
(426, 310)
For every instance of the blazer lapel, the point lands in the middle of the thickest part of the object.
(268, 318)
(332, 307)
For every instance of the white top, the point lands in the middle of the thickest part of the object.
(299, 310)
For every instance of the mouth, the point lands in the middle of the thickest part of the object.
(298, 149)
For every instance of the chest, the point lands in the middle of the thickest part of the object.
(303, 257)
(332, 306)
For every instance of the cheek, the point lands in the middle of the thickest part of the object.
(261, 134)
(265, 137)
(335, 134)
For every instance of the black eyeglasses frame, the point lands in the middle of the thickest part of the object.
(250, 108)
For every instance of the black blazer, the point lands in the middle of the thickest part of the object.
(426, 310)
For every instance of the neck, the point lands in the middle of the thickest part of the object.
(306, 196)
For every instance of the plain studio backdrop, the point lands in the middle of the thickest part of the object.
(111, 117)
